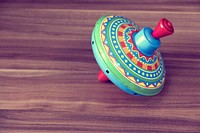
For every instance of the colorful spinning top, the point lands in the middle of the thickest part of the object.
(128, 56)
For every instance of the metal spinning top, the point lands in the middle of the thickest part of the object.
(128, 56)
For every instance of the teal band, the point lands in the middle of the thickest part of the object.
(145, 42)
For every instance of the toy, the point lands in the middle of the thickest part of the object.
(128, 56)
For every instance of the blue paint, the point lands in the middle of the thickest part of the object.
(145, 42)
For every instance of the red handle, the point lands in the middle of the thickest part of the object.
(102, 77)
(163, 28)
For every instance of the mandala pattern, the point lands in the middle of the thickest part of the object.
(117, 35)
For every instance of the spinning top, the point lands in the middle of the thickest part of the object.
(128, 56)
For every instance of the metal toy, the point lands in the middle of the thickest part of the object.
(128, 56)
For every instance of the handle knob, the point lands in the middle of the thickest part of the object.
(102, 77)
(163, 28)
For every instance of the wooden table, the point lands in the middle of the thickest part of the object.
(48, 75)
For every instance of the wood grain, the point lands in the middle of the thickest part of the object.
(48, 73)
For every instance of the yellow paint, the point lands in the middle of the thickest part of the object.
(134, 60)
(151, 86)
(121, 70)
(126, 50)
(105, 20)
(121, 29)
(132, 79)
(142, 84)
(112, 59)
(144, 66)
(159, 84)
(121, 39)
(106, 48)
(102, 27)
(153, 67)
(111, 16)
(103, 38)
